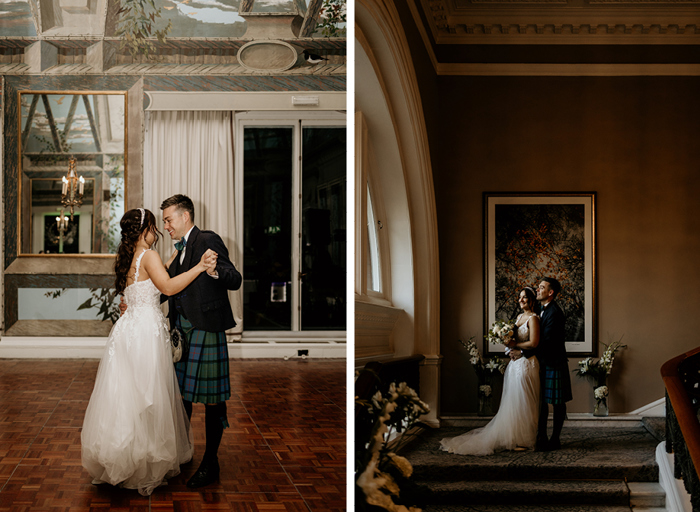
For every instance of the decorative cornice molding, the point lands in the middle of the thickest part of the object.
(561, 33)
(243, 100)
(645, 2)
(569, 69)
(514, 2)
(81, 55)
(438, 9)
(560, 21)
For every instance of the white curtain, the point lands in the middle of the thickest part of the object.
(191, 153)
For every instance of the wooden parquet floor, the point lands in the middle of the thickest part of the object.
(285, 449)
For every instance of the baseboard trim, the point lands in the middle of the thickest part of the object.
(656, 409)
(677, 498)
(573, 420)
(15, 347)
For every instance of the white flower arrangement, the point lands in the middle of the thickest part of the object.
(389, 414)
(601, 392)
(481, 366)
(501, 332)
(492, 365)
(485, 390)
(598, 370)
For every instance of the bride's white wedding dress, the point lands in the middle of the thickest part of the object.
(515, 424)
(136, 432)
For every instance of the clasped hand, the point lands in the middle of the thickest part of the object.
(209, 261)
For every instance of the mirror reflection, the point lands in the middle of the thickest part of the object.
(72, 173)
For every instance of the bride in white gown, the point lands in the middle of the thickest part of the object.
(136, 432)
(515, 424)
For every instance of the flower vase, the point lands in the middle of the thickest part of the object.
(485, 406)
(600, 393)
(485, 398)
(601, 408)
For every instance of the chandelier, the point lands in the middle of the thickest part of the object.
(61, 223)
(73, 186)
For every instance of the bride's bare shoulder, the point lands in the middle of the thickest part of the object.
(151, 256)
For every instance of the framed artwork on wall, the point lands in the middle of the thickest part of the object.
(528, 236)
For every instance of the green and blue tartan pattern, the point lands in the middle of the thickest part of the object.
(204, 376)
(556, 383)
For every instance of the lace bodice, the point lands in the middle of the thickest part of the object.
(141, 293)
(523, 332)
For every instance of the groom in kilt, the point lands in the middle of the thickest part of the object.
(555, 380)
(203, 312)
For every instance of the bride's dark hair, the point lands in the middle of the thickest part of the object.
(532, 298)
(132, 228)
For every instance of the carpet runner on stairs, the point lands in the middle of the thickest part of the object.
(591, 473)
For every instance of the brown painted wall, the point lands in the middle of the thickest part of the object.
(633, 140)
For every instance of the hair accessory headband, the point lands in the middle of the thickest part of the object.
(143, 215)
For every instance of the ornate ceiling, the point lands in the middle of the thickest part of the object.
(81, 37)
(460, 35)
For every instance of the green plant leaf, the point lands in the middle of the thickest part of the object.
(86, 305)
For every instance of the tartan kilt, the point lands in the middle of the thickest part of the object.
(204, 376)
(555, 382)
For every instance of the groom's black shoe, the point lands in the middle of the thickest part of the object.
(554, 444)
(208, 473)
(542, 445)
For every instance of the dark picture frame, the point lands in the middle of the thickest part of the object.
(528, 236)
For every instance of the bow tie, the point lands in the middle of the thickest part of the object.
(181, 244)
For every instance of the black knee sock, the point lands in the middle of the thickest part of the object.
(542, 422)
(188, 408)
(214, 421)
(559, 417)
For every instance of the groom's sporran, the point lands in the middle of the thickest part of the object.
(179, 344)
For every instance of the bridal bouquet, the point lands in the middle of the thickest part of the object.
(501, 332)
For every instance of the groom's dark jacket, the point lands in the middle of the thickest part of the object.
(205, 301)
(552, 345)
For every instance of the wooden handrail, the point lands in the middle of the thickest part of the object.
(377, 376)
(681, 402)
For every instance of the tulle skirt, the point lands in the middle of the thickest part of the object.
(515, 424)
(136, 432)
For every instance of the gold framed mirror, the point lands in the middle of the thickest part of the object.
(72, 172)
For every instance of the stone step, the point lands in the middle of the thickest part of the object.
(586, 454)
(533, 470)
(529, 508)
(646, 495)
(519, 492)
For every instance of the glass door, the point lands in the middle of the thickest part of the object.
(267, 226)
(293, 224)
(323, 248)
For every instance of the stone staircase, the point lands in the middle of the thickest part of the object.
(598, 469)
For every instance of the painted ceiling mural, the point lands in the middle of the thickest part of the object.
(190, 18)
(16, 19)
(199, 18)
